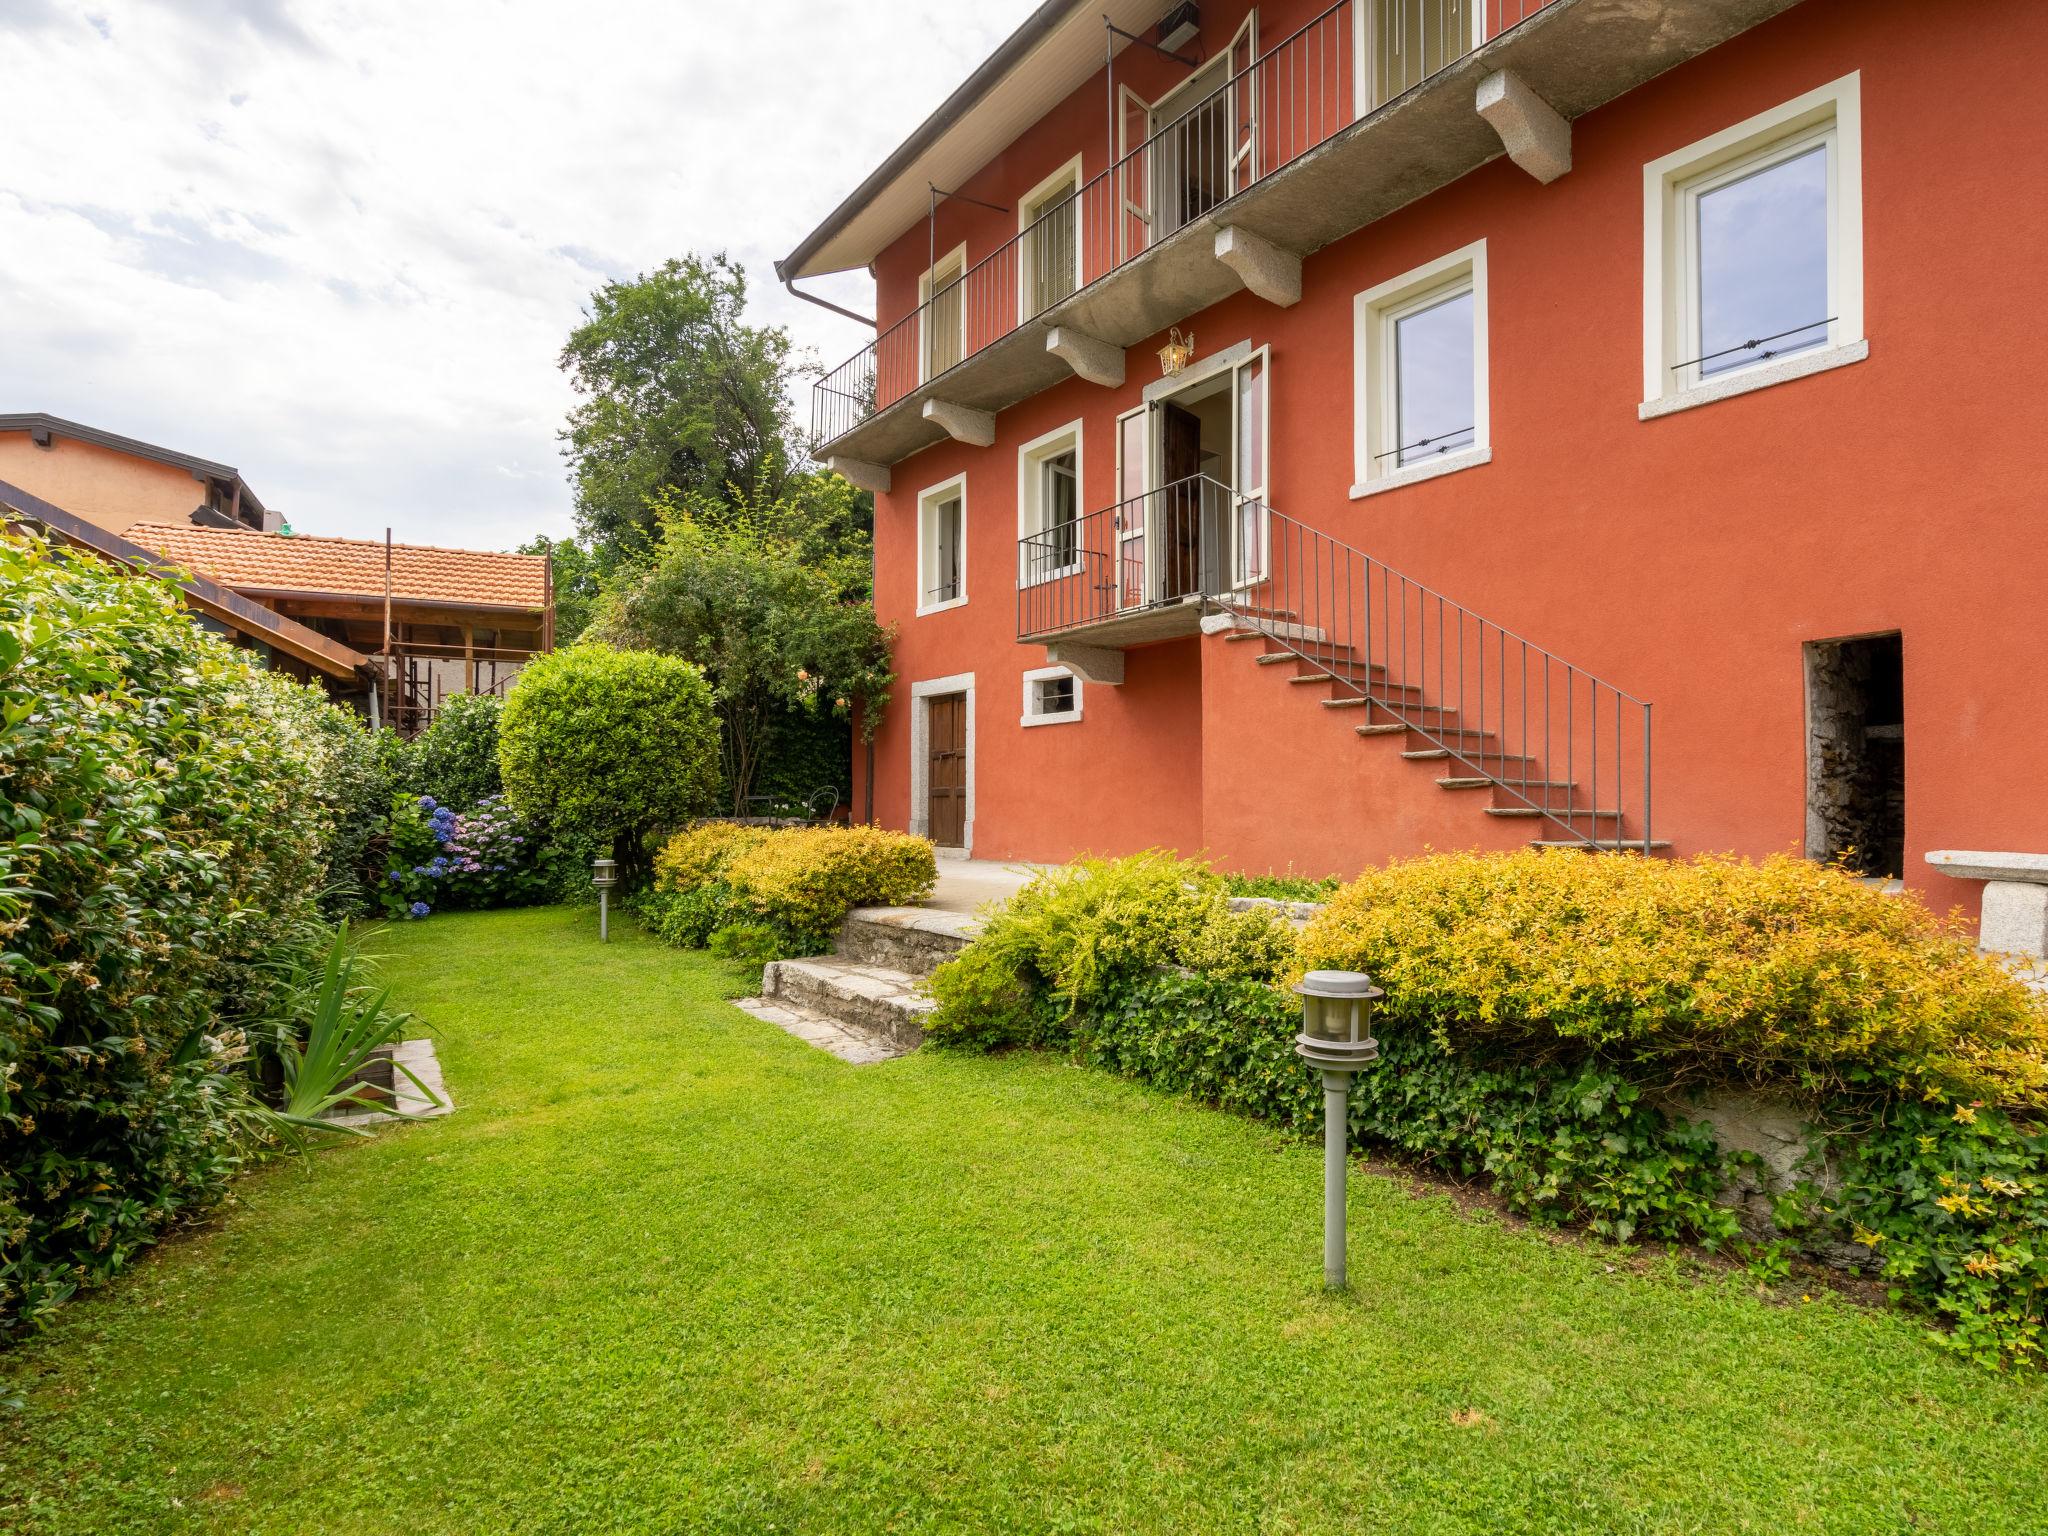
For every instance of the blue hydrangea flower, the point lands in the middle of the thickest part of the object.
(427, 802)
(418, 909)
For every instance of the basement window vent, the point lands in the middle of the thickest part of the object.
(1052, 695)
(1856, 754)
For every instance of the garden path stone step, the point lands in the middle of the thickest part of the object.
(843, 1041)
(916, 940)
(877, 1001)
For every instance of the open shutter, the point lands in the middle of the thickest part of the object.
(1134, 176)
(1244, 105)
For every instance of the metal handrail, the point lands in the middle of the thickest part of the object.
(1569, 746)
(1292, 98)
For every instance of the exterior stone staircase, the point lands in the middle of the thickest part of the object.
(863, 1003)
(1506, 786)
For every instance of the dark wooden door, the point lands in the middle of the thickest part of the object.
(948, 769)
(1180, 457)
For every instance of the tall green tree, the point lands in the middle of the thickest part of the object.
(579, 573)
(681, 397)
(774, 630)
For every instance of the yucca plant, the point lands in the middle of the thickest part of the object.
(344, 1026)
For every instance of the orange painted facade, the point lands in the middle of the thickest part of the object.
(110, 489)
(1686, 558)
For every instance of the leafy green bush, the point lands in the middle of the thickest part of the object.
(1076, 935)
(604, 745)
(796, 882)
(165, 825)
(697, 855)
(1783, 973)
(455, 759)
(1953, 1201)
(804, 880)
(365, 768)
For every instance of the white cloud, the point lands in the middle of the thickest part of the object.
(339, 244)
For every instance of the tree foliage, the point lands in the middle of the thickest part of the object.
(609, 745)
(681, 396)
(578, 571)
(773, 628)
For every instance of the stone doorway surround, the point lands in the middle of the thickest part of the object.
(921, 695)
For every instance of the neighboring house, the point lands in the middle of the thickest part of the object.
(1450, 425)
(433, 621)
(115, 482)
(391, 628)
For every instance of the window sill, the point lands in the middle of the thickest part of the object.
(1070, 717)
(1763, 376)
(1414, 474)
(951, 602)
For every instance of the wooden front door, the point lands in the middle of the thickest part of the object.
(947, 771)
(1180, 458)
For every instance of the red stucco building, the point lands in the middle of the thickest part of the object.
(1323, 434)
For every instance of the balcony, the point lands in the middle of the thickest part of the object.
(1292, 151)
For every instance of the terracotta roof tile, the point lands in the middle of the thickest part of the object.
(278, 562)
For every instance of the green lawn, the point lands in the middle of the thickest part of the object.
(669, 1270)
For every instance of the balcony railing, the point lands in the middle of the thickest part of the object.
(1356, 58)
(1564, 744)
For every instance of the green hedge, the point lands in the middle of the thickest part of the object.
(167, 810)
(1535, 1001)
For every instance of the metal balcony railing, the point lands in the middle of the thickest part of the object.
(1570, 747)
(1356, 58)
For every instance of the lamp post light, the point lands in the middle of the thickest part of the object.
(604, 874)
(1336, 1035)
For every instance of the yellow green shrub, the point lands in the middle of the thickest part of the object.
(698, 855)
(1781, 972)
(804, 880)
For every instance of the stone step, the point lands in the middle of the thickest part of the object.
(846, 1042)
(914, 940)
(874, 1000)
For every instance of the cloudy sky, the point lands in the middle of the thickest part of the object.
(338, 243)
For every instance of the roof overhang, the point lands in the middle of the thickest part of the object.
(1037, 67)
(205, 596)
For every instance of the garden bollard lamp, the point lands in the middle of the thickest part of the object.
(1336, 1035)
(604, 874)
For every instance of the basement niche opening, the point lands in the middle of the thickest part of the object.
(1856, 754)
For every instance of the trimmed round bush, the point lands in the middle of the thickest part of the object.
(609, 746)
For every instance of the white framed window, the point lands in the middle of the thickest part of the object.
(942, 546)
(1049, 219)
(942, 315)
(1049, 529)
(1420, 388)
(1753, 253)
(1052, 696)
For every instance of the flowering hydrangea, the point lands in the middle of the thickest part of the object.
(440, 858)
